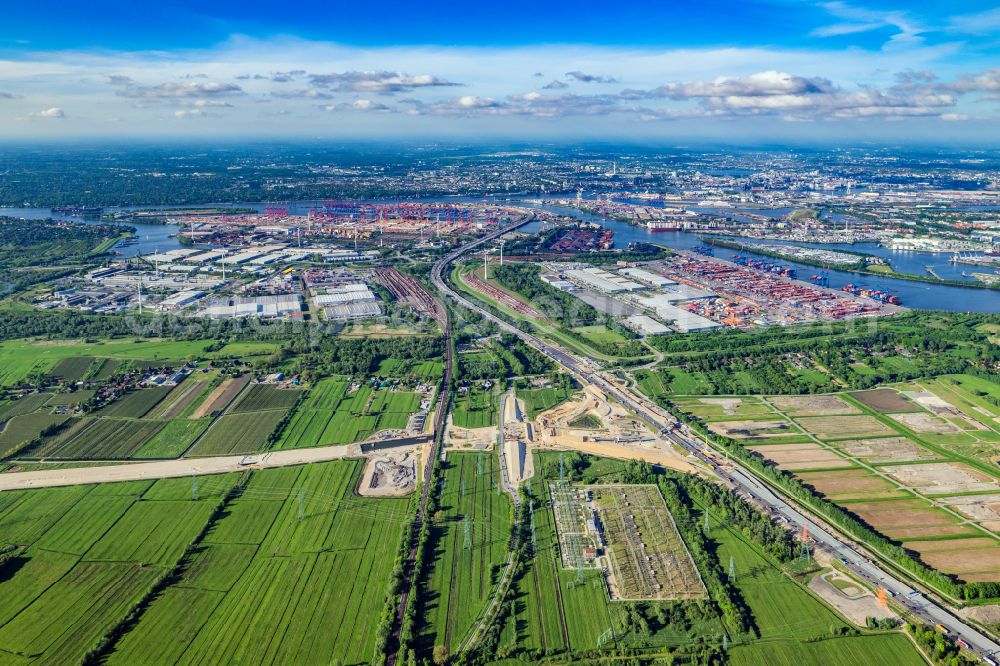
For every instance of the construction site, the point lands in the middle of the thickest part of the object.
(593, 424)
(391, 473)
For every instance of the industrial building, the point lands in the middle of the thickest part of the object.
(645, 325)
(647, 277)
(683, 321)
(348, 301)
(558, 282)
(262, 307)
(181, 299)
(354, 310)
(602, 280)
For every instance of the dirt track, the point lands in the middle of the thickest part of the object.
(172, 468)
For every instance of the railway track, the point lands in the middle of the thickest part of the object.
(415, 290)
(854, 556)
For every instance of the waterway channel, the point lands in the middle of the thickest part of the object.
(162, 237)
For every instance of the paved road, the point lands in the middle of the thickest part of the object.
(168, 469)
(852, 555)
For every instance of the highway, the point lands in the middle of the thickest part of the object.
(851, 555)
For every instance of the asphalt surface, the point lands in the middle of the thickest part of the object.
(852, 556)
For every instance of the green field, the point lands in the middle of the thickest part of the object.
(795, 626)
(174, 439)
(298, 559)
(329, 415)
(98, 438)
(72, 369)
(90, 553)
(136, 403)
(475, 408)
(538, 400)
(23, 405)
(26, 427)
(459, 581)
(404, 368)
(260, 397)
(20, 358)
(238, 433)
(722, 409)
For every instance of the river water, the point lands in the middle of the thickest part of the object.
(913, 294)
(160, 238)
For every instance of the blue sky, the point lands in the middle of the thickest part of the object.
(757, 70)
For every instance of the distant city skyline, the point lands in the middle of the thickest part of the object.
(764, 70)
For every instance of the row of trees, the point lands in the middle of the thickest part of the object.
(559, 306)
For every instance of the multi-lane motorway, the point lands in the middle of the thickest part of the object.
(851, 555)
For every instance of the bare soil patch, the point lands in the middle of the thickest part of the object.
(924, 423)
(898, 520)
(857, 610)
(970, 559)
(945, 478)
(851, 483)
(844, 427)
(884, 401)
(801, 456)
(886, 449)
(812, 405)
(221, 396)
(748, 430)
(978, 507)
(389, 475)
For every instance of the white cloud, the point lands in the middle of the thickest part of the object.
(363, 105)
(982, 23)
(51, 112)
(378, 83)
(174, 90)
(860, 19)
(583, 77)
(760, 84)
(706, 83)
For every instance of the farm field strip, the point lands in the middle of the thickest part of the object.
(98, 438)
(22, 429)
(311, 574)
(260, 397)
(137, 403)
(474, 532)
(329, 416)
(885, 464)
(177, 400)
(90, 554)
(243, 432)
(477, 407)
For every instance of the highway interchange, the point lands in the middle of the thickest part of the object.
(851, 555)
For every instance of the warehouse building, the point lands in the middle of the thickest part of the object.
(602, 280)
(683, 321)
(647, 277)
(645, 325)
